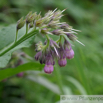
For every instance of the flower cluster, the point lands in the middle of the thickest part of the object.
(50, 50)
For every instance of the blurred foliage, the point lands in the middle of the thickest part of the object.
(82, 75)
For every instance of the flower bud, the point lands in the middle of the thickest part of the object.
(38, 55)
(57, 32)
(49, 13)
(57, 15)
(20, 23)
(39, 22)
(48, 69)
(49, 62)
(44, 31)
(30, 17)
(69, 53)
(62, 62)
(42, 59)
(71, 36)
(65, 27)
(20, 74)
(31, 25)
(39, 46)
(53, 24)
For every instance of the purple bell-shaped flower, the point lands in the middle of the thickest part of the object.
(49, 64)
(69, 53)
(62, 60)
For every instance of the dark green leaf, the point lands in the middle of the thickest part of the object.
(12, 71)
(7, 36)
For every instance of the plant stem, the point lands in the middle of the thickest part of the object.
(48, 40)
(23, 38)
(59, 40)
(16, 35)
(26, 28)
(47, 44)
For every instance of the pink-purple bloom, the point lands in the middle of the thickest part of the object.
(49, 62)
(38, 55)
(62, 62)
(48, 69)
(69, 53)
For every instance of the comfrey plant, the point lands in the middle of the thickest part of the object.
(50, 50)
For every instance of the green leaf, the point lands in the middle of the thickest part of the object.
(7, 36)
(12, 71)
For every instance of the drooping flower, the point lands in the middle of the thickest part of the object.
(69, 53)
(62, 60)
(49, 64)
(38, 55)
(48, 69)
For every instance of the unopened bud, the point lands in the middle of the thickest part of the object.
(57, 15)
(57, 32)
(71, 36)
(53, 24)
(69, 53)
(65, 27)
(30, 17)
(20, 23)
(44, 31)
(38, 55)
(62, 62)
(31, 25)
(39, 23)
(48, 69)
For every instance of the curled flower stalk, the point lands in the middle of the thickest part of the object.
(50, 50)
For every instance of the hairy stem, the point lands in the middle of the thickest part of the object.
(47, 44)
(26, 28)
(16, 35)
(59, 40)
(22, 39)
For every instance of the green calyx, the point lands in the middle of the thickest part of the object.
(20, 23)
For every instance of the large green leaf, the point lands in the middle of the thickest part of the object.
(7, 36)
(12, 71)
